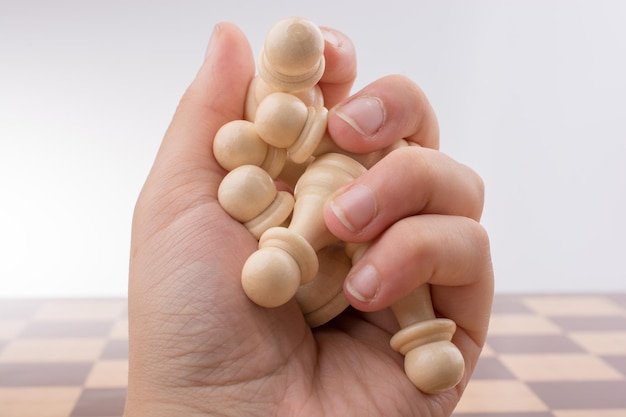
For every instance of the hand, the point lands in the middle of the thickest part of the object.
(199, 347)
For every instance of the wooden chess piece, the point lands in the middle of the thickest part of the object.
(292, 57)
(292, 61)
(287, 256)
(238, 143)
(249, 195)
(431, 361)
(284, 121)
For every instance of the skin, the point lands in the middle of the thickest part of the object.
(199, 347)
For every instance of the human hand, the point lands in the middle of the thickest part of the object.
(199, 347)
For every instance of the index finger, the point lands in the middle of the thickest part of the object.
(386, 110)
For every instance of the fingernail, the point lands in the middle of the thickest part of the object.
(330, 37)
(364, 284)
(212, 41)
(355, 208)
(365, 114)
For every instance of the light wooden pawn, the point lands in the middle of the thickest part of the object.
(287, 256)
(431, 361)
(249, 195)
(292, 56)
(292, 61)
(284, 121)
(237, 143)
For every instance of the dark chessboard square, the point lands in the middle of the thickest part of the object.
(604, 323)
(505, 303)
(491, 368)
(82, 329)
(559, 395)
(618, 362)
(619, 299)
(43, 374)
(116, 349)
(550, 343)
(100, 402)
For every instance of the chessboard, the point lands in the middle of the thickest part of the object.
(546, 356)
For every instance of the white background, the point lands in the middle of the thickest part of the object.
(531, 94)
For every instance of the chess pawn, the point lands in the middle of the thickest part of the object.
(322, 299)
(287, 256)
(292, 57)
(431, 361)
(249, 195)
(237, 143)
(284, 121)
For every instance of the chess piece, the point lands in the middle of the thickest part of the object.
(292, 57)
(292, 61)
(323, 298)
(287, 256)
(237, 143)
(284, 121)
(249, 195)
(431, 361)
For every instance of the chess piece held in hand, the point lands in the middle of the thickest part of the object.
(292, 57)
(287, 257)
(238, 143)
(286, 122)
(290, 61)
(249, 195)
(431, 361)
